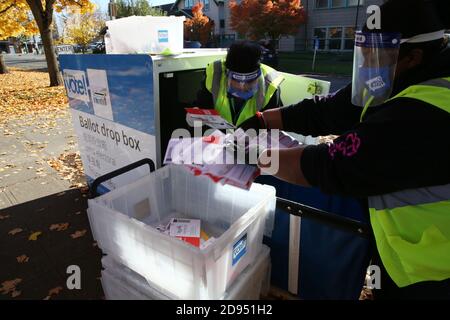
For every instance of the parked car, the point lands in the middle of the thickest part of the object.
(192, 44)
(269, 53)
(99, 47)
(77, 48)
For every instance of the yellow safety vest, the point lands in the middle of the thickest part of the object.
(412, 227)
(216, 83)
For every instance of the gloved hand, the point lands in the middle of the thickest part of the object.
(256, 122)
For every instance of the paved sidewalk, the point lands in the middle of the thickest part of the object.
(26, 146)
(26, 61)
(41, 241)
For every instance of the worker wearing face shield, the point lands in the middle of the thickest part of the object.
(393, 146)
(240, 86)
(375, 61)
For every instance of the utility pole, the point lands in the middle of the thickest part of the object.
(357, 15)
(112, 9)
(36, 45)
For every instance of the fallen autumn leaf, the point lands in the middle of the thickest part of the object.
(55, 291)
(78, 234)
(59, 226)
(34, 236)
(15, 231)
(16, 293)
(9, 285)
(23, 258)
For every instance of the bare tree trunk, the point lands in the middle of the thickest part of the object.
(50, 56)
(43, 17)
(3, 68)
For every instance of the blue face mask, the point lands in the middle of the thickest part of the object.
(377, 81)
(244, 95)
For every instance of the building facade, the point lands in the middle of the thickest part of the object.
(216, 10)
(332, 23)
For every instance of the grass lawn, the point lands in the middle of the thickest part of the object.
(326, 62)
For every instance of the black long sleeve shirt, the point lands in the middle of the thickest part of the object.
(402, 144)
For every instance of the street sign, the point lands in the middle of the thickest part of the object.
(316, 44)
(316, 47)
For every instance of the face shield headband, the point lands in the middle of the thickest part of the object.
(425, 37)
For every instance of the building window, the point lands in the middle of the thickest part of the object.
(352, 3)
(337, 3)
(188, 4)
(335, 38)
(222, 23)
(324, 4)
(321, 3)
(349, 38)
(229, 36)
(321, 35)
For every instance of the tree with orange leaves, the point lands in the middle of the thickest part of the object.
(200, 27)
(19, 17)
(259, 19)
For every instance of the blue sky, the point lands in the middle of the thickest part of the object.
(103, 4)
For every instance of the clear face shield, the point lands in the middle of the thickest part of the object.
(243, 85)
(374, 64)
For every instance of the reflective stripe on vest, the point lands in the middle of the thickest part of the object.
(435, 92)
(216, 83)
(412, 227)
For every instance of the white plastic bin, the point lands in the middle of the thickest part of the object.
(121, 283)
(123, 221)
(146, 34)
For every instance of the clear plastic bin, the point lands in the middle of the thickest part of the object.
(123, 221)
(121, 283)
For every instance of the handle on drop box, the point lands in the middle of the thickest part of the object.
(118, 172)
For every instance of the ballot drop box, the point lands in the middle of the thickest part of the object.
(125, 107)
